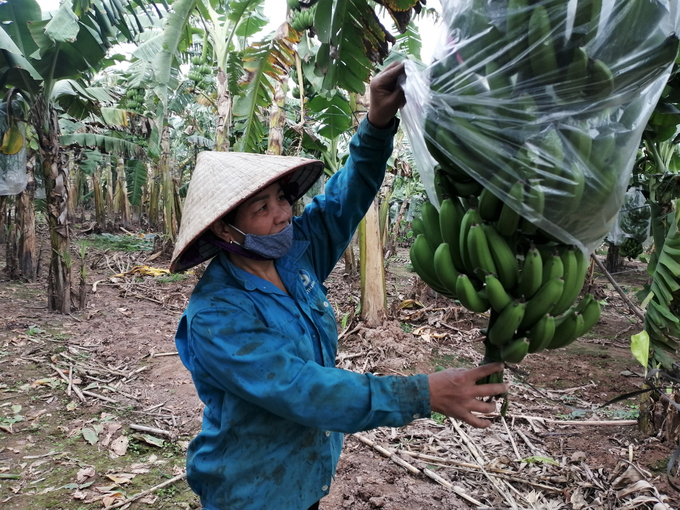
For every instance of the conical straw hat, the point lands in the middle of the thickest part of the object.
(223, 180)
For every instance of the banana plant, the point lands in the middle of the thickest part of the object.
(657, 171)
(36, 54)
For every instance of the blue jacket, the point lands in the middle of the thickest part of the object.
(263, 362)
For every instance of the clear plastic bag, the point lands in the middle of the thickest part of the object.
(633, 221)
(549, 94)
(13, 178)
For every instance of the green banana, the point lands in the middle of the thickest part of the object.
(601, 80)
(515, 351)
(444, 268)
(552, 268)
(450, 217)
(467, 187)
(454, 173)
(454, 151)
(503, 256)
(580, 142)
(586, 21)
(430, 217)
(500, 84)
(567, 331)
(508, 221)
(479, 252)
(576, 186)
(471, 217)
(517, 18)
(541, 47)
(417, 226)
(535, 200)
(496, 293)
(442, 186)
(591, 314)
(576, 77)
(516, 36)
(541, 334)
(505, 326)
(575, 266)
(531, 277)
(527, 109)
(422, 258)
(469, 297)
(483, 150)
(489, 205)
(542, 303)
(604, 146)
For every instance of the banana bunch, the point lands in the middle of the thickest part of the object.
(531, 290)
(304, 19)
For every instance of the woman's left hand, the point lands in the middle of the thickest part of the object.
(387, 96)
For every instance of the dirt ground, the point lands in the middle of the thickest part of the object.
(96, 407)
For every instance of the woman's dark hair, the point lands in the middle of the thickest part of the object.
(230, 217)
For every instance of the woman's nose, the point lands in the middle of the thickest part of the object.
(285, 212)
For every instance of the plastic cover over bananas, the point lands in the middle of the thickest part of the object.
(543, 103)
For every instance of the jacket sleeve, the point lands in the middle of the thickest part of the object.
(330, 221)
(234, 350)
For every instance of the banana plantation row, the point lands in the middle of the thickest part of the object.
(112, 137)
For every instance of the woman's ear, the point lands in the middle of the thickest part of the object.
(221, 230)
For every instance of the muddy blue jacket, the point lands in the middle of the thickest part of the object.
(263, 362)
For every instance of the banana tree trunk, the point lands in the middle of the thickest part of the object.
(154, 195)
(614, 260)
(170, 224)
(46, 124)
(98, 197)
(224, 104)
(3, 218)
(372, 269)
(120, 199)
(394, 235)
(277, 119)
(26, 225)
(72, 184)
(350, 260)
(108, 182)
(371, 264)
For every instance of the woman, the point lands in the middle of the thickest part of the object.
(260, 338)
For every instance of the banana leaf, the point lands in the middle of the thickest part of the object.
(262, 61)
(137, 176)
(661, 318)
(104, 143)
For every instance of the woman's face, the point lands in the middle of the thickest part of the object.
(267, 212)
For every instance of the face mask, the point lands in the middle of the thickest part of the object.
(273, 246)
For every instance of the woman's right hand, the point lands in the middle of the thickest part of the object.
(455, 393)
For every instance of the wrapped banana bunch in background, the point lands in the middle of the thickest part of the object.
(532, 116)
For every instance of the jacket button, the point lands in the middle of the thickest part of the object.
(324, 488)
(328, 433)
(416, 416)
(325, 303)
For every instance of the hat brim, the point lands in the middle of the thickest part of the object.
(192, 245)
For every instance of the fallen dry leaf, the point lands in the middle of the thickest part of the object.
(110, 429)
(79, 495)
(90, 436)
(84, 474)
(121, 478)
(119, 446)
(110, 499)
